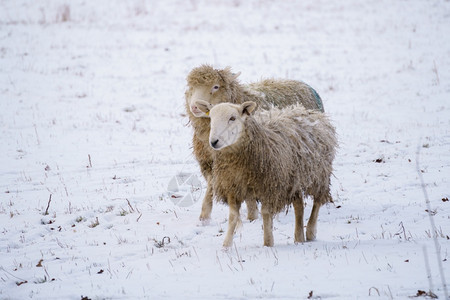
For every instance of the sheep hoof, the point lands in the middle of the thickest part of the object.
(252, 216)
(310, 236)
(226, 246)
(226, 249)
(204, 222)
(299, 241)
(268, 242)
(204, 218)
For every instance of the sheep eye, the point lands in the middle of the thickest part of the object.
(232, 118)
(216, 87)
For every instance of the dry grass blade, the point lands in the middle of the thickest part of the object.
(433, 226)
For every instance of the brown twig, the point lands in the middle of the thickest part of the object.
(48, 205)
(137, 220)
(375, 289)
(131, 207)
(90, 161)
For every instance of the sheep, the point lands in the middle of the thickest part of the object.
(277, 156)
(216, 86)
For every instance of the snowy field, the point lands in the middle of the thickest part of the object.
(93, 129)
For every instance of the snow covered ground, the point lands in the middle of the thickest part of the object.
(92, 130)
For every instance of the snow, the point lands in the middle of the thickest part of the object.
(92, 115)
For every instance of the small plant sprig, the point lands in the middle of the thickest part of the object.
(94, 223)
(160, 244)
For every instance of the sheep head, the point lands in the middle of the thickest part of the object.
(227, 121)
(210, 85)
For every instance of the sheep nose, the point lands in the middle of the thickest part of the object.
(214, 143)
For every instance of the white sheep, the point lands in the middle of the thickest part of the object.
(277, 156)
(216, 86)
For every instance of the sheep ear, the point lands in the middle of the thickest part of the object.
(248, 107)
(234, 76)
(203, 106)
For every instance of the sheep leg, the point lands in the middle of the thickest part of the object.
(299, 235)
(252, 209)
(311, 228)
(267, 226)
(233, 219)
(207, 203)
